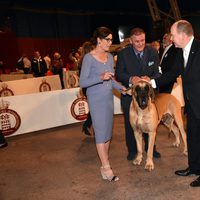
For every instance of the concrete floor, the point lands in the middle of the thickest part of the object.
(62, 164)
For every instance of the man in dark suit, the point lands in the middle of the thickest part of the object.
(38, 65)
(3, 142)
(134, 61)
(188, 59)
(167, 61)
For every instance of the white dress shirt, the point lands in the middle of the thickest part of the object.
(186, 51)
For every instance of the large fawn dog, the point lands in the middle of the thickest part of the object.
(146, 112)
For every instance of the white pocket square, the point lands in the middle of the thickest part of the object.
(150, 63)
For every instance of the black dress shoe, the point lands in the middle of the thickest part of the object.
(86, 131)
(186, 172)
(195, 183)
(3, 145)
(131, 156)
(156, 154)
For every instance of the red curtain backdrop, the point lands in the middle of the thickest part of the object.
(13, 47)
(8, 51)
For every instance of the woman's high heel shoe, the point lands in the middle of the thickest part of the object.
(86, 131)
(107, 174)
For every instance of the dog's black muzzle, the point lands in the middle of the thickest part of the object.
(142, 96)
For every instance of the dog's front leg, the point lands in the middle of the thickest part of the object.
(138, 138)
(149, 162)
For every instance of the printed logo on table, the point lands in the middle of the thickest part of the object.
(79, 108)
(5, 91)
(44, 86)
(10, 121)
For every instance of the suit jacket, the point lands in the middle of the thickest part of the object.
(166, 65)
(127, 65)
(38, 68)
(190, 77)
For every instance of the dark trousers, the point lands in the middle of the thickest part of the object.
(88, 122)
(2, 139)
(26, 70)
(129, 134)
(59, 71)
(193, 139)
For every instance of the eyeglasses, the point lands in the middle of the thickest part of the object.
(108, 39)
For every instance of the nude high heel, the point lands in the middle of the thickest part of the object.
(107, 174)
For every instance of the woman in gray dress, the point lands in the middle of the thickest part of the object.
(97, 76)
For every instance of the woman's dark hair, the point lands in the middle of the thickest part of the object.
(100, 32)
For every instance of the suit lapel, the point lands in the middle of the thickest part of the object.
(133, 61)
(191, 54)
(144, 59)
(132, 55)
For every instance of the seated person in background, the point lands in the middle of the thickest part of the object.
(73, 60)
(38, 65)
(24, 64)
(48, 61)
(57, 67)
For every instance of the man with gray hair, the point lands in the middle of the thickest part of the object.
(135, 60)
(188, 59)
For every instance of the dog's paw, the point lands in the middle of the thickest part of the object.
(149, 165)
(137, 161)
(176, 144)
(185, 152)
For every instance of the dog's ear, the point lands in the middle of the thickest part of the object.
(152, 93)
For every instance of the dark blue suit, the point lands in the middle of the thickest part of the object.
(126, 67)
(169, 58)
(191, 91)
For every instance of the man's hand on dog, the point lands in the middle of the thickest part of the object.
(136, 79)
(146, 78)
